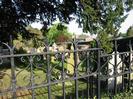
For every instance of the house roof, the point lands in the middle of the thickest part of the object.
(83, 37)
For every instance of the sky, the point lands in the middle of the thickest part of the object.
(73, 26)
(128, 22)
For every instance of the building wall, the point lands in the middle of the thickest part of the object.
(111, 66)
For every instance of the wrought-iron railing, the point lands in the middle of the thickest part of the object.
(69, 74)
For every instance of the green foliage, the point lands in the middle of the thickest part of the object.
(58, 33)
(15, 15)
(18, 42)
(130, 31)
(94, 15)
(36, 39)
(104, 15)
(105, 42)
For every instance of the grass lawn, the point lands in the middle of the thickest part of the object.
(23, 79)
(41, 92)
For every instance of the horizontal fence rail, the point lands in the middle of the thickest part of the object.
(79, 72)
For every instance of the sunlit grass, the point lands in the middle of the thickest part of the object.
(22, 78)
(70, 64)
(40, 92)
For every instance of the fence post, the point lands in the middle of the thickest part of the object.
(63, 76)
(98, 71)
(115, 68)
(88, 72)
(32, 75)
(48, 68)
(75, 68)
(130, 64)
(11, 48)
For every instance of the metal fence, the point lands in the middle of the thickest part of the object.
(70, 74)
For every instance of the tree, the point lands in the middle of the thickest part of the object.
(93, 15)
(58, 33)
(36, 39)
(104, 15)
(130, 31)
(15, 15)
(105, 42)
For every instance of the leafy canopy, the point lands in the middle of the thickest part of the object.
(58, 33)
(104, 18)
(93, 15)
(130, 31)
(104, 15)
(36, 39)
(15, 15)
